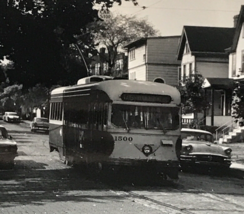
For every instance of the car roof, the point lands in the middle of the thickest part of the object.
(195, 130)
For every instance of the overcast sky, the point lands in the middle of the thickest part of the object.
(169, 16)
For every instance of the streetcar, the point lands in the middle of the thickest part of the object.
(115, 122)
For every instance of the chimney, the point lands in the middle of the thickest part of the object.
(235, 20)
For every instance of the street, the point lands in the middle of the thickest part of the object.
(40, 183)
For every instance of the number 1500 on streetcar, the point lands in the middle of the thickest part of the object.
(118, 123)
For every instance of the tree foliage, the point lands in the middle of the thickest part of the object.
(36, 35)
(11, 98)
(238, 101)
(193, 95)
(117, 31)
(35, 96)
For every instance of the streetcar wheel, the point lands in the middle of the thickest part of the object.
(67, 162)
(94, 169)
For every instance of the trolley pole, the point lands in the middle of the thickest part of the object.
(84, 61)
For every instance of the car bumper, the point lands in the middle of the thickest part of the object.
(40, 128)
(7, 157)
(13, 120)
(207, 160)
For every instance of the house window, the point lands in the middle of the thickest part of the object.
(242, 62)
(233, 65)
(179, 73)
(190, 69)
(144, 57)
(184, 73)
(132, 54)
(97, 69)
(243, 30)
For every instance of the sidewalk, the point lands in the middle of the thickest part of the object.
(237, 166)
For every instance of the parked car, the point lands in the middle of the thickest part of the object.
(8, 149)
(10, 116)
(39, 123)
(199, 149)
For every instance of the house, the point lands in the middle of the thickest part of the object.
(99, 65)
(202, 50)
(236, 51)
(154, 59)
(235, 73)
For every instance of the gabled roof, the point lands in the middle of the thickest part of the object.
(136, 43)
(219, 83)
(206, 41)
(142, 41)
(240, 20)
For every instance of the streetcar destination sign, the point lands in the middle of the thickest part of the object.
(146, 98)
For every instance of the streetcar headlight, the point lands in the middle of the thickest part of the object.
(147, 150)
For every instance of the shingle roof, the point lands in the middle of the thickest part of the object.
(209, 39)
(238, 29)
(206, 40)
(220, 83)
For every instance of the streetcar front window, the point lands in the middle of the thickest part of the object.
(142, 117)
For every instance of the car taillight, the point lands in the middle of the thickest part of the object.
(228, 151)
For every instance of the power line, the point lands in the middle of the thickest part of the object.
(145, 7)
(182, 9)
(168, 8)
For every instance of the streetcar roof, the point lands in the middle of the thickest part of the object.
(114, 89)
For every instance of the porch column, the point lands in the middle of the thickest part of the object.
(212, 108)
(205, 111)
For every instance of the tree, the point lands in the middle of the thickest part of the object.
(36, 35)
(116, 32)
(238, 101)
(193, 95)
(35, 97)
(11, 98)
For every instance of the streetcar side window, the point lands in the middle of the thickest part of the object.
(56, 111)
(97, 116)
(92, 116)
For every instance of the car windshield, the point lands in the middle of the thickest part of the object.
(197, 136)
(42, 120)
(144, 117)
(3, 133)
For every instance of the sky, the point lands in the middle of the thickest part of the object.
(169, 16)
